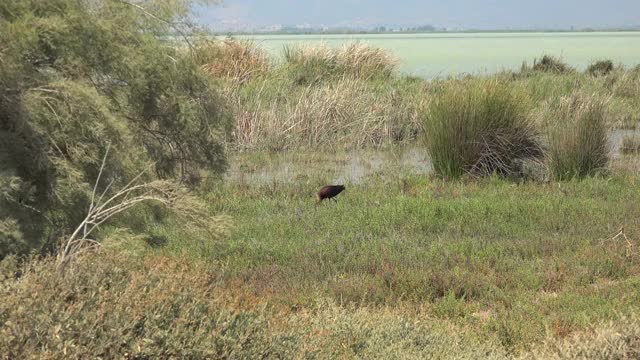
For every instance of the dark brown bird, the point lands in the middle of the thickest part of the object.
(329, 192)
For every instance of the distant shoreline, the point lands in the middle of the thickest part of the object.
(363, 32)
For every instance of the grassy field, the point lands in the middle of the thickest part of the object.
(401, 265)
(518, 261)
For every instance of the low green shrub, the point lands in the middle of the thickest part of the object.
(551, 64)
(600, 68)
(115, 305)
(614, 340)
(112, 304)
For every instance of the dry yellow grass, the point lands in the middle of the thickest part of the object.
(348, 113)
(237, 60)
(110, 304)
(355, 59)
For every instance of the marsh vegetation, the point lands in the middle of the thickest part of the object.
(484, 216)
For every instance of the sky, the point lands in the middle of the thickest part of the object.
(469, 14)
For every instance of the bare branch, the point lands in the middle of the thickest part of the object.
(135, 192)
(99, 210)
(95, 187)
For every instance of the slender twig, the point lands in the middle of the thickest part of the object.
(630, 246)
(168, 22)
(95, 186)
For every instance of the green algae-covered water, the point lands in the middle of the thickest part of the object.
(441, 54)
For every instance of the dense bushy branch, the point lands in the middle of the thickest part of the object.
(77, 75)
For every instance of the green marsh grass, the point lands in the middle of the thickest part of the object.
(578, 136)
(471, 267)
(514, 261)
(630, 144)
(480, 127)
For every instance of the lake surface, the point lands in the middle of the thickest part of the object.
(434, 55)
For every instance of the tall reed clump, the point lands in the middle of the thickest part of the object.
(626, 85)
(577, 130)
(237, 60)
(347, 113)
(366, 61)
(309, 64)
(480, 128)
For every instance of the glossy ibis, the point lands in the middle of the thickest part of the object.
(329, 192)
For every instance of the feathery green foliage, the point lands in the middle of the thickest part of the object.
(78, 76)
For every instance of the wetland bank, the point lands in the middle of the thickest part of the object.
(491, 216)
